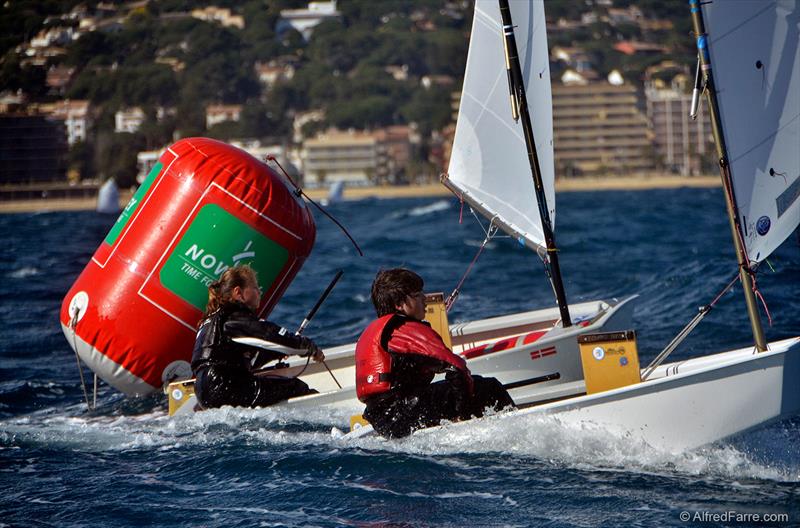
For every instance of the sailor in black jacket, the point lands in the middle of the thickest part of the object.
(231, 343)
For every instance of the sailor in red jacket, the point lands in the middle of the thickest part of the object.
(398, 356)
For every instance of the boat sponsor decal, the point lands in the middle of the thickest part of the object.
(544, 352)
(623, 361)
(788, 197)
(598, 353)
(762, 225)
(215, 241)
(133, 204)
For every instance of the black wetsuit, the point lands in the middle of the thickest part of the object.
(223, 367)
(413, 402)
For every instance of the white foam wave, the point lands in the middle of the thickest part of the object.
(26, 271)
(440, 205)
(582, 446)
(157, 430)
(546, 438)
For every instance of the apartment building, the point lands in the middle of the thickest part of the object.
(600, 128)
(680, 141)
(350, 157)
(356, 157)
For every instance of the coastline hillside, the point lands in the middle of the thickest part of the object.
(121, 80)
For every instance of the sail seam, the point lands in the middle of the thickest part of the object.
(767, 138)
(770, 6)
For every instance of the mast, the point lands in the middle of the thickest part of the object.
(518, 96)
(704, 59)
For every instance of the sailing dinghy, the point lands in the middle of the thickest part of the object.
(749, 68)
(502, 166)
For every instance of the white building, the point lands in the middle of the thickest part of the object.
(680, 141)
(304, 20)
(220, 15)
(128, 119)
(336, 156)
(271, 73)
(220, 113)
(75, 115)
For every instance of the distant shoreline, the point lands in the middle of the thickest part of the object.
(627, 183)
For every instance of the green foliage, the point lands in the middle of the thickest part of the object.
(22, 19)
(163, 57)
(80, 159)
(13, 76)
(426, 109)
(115, 157)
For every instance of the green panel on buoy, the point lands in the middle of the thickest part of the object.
(133, 204)
(214, 242)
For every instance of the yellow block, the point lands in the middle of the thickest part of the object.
(179, 393)
(357, 421)
(610, 360)
(436, 315)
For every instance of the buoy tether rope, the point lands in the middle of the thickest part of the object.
(73, 322)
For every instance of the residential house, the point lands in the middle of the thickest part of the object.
(128, 119)
(304, 20)
(75, 115)
(219, 113)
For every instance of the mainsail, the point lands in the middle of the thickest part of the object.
(489, 164)
(756, 64)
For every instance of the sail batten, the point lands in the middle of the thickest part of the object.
(489, 162)
(755, 56)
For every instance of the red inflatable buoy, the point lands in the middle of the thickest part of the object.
(132, 313)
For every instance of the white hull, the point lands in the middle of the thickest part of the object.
(686, 404)
(532, 376)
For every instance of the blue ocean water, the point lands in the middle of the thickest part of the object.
(128, 464)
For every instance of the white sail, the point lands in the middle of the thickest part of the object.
(756, 65)
(489, 162)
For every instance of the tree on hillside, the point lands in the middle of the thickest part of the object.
(115, 157)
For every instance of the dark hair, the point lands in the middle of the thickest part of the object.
(220, 291)
(391, 287)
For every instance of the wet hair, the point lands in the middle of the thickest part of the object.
(220, 292)
(391, 287)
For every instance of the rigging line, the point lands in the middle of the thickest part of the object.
(684, 333)
(728, 181)
(492, 227)
(451, 299)
(299, 192)
(760, 297)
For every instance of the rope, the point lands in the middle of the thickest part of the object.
(745, 259)
(684, 333)
(490, 233)
(299, 192)
(73, 322)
